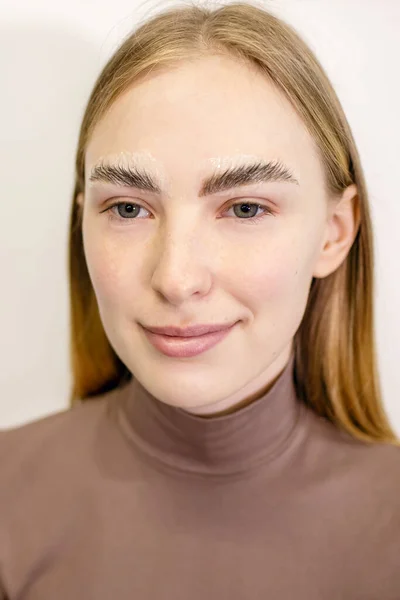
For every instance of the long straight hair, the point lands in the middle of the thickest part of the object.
(335, 353)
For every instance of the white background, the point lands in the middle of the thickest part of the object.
(50, 55)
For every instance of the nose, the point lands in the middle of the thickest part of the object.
(182, 268)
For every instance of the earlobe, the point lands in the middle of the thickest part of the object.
(79, 199)
(342, 228)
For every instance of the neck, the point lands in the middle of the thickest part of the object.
(205, 412)
(221, 444)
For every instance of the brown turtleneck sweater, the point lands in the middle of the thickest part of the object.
(127, 498)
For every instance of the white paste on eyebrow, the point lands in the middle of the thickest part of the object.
(126, 158)
(220, 162)
(145, 158)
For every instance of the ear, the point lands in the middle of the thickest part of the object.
(341, 229)
(79, 199)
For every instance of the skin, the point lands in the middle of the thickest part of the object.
(187, 259)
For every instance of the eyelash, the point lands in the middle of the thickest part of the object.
(250, 220)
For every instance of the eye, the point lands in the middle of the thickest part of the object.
(247, 211)
(243, 212)
(125, 211)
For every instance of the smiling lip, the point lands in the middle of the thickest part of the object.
(193, 331)
(189, 342)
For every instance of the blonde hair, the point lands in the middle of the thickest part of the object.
(335, 355)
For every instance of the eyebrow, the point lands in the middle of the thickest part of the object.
(137, 177)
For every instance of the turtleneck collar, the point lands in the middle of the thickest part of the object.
(221, 445)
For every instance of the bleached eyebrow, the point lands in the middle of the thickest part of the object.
(236, 176)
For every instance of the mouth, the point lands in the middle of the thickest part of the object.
(187, 344)
(192, 331)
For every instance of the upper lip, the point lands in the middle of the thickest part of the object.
(191, 331)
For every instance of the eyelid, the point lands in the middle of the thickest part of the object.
(230, 204)
(241, 196)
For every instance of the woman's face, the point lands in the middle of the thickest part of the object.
(182, 254)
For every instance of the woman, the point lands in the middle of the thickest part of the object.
(227, 437)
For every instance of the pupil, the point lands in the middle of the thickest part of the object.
(246, 208)
(128, 208)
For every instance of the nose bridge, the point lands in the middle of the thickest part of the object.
(182, 265)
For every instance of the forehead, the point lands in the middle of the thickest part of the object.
(201, 110)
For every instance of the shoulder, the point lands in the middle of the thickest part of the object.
(365, 460)
(363, 477)
(355, 486)
(49, 430)
(55, 444)
(50, 472)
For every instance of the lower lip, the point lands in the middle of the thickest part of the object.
(180, 347)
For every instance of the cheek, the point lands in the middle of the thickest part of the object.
(264, 271)
(278, 279)
(108, 270)
(268, 282)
